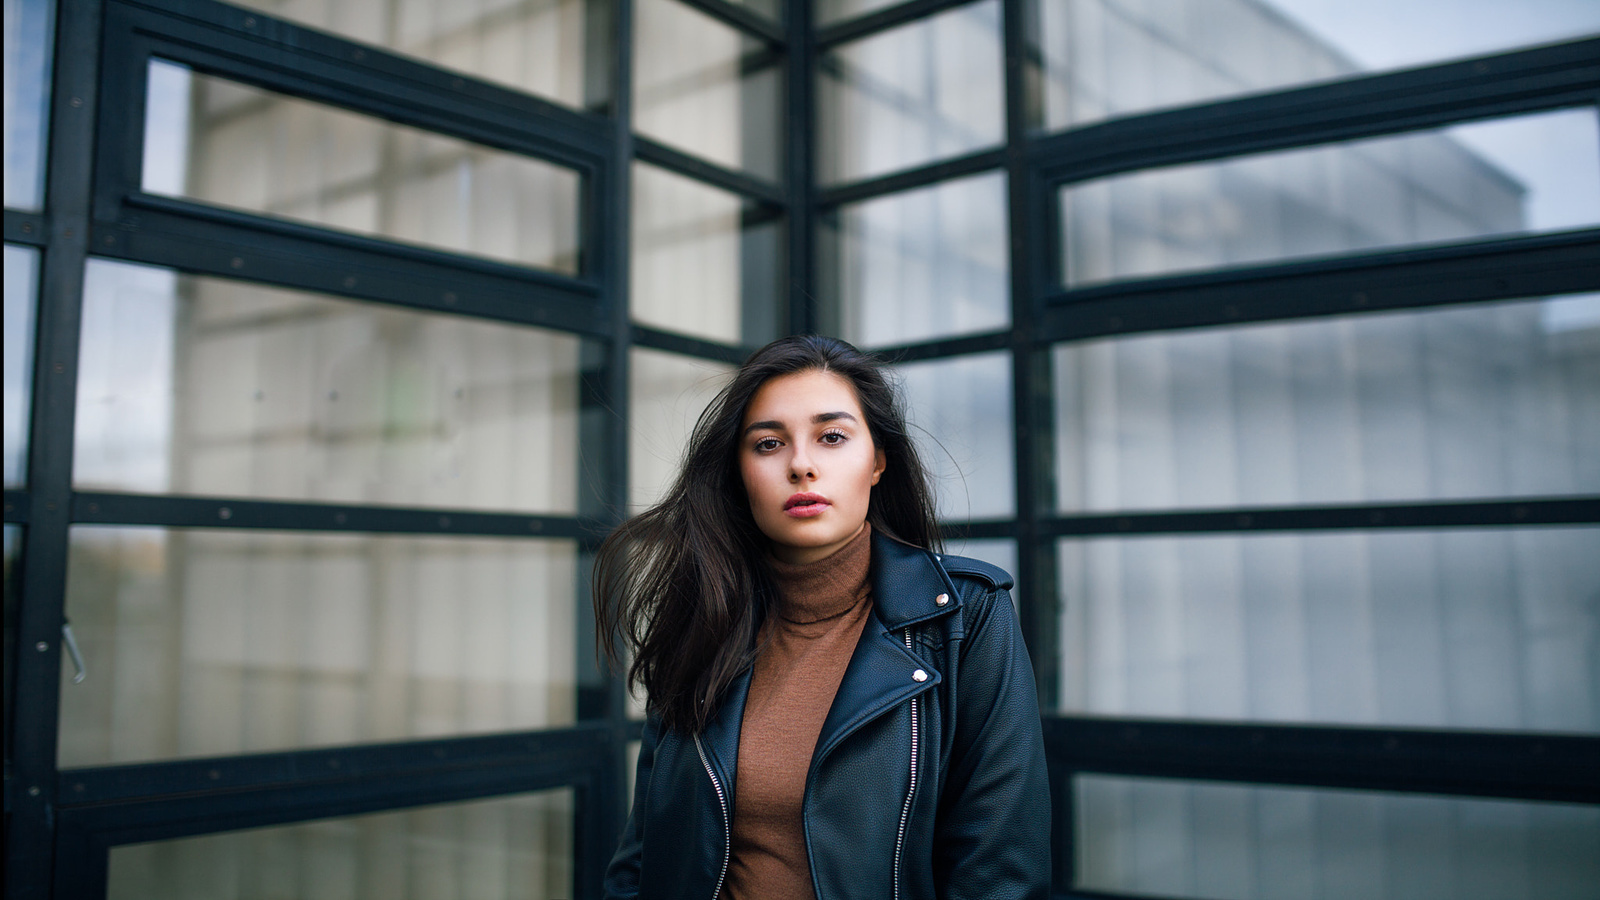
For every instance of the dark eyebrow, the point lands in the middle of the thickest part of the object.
(818, 419)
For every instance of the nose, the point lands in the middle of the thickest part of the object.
(800, 468)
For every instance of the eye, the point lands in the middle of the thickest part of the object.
(767, 445)
(834, 437)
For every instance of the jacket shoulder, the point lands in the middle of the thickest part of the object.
(989, 575)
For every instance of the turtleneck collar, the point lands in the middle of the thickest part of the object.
(827, 588)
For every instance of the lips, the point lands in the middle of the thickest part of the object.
(805, 505)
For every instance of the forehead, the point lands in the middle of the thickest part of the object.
(799, 396)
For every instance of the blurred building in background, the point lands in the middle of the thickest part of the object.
(1259, 339)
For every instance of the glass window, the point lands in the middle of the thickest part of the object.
(667, 393)
(519, 846)
(197, 385)
(959, 413)
(923, 264)
(28, 40)
(707, 89)
(21, 298)
(1440, 404)
(1469, 628)
(233, 145)
(919, 93)
(705, 262)
(1532, 173)
(1150, 837)
(1106, 58)
(213, 642)
(541, 47)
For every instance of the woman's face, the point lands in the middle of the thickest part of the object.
(808, 463)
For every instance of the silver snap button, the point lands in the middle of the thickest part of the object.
(941, 600)
(919, 675)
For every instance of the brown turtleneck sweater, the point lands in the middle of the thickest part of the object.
(823, 607)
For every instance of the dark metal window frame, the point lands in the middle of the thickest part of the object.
(102, 51)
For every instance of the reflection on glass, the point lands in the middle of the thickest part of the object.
(705, 262)
(1465, 402)
(1107, 58)
(208, 642)
(27, 95)
(706, 89)
(233, 145)
(924, 264)
(959, 412)
(1470, 628)
(518, 846)
(1155, 837)
(919, 93)
(667, 393)
(1393, 191)
(205, 386)
(21, 297)
(538, 46)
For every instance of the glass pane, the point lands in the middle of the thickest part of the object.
(707, 89)
(540, 47)
(922, 92)
(211, 642)
(238, 146)
(667, 393)
(1154, 837)
(506, 847)
(1470, 628)
(705, 262)
(197, 385)
(21, 299)
(1532, 173)
(28, 39)
(1104, 58)
(960, 415)
(924, 264)
(1476, 401)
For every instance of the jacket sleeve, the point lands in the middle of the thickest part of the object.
(992, 836)
(622, 874)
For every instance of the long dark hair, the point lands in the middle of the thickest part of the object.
(683, 585)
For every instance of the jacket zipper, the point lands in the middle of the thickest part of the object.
(905, 810)
(727, 831)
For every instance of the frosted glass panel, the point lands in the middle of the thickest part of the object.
(1103, 58)
(1497, 400)
(924, 91)
(668, 392)
(21, 301)
(515, 847)
(28, 43)
(1468, 628)
(539, 46)
(1510, 176)
(959, 413)
(705, 262)
(1193, 839)
(213, 642)
(924, 264)
(207, 386)
(233, 145)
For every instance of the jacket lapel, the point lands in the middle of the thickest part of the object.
(721, 737)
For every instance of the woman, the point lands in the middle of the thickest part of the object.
(835, 709)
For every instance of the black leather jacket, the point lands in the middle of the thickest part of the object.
(928, 779)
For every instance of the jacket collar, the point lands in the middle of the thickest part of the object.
(906, 584)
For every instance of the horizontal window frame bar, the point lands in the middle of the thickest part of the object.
(1520, 81)
(878, 21)
(830, 199)
(1531, 766)
(1531, 511)
(944, 347)
(27, 229)
(984, 530)
(174, 511)
(687, 345)
(1519, 267)
(18, 501)
(204, 240)
(690, 166)
(744, 20)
